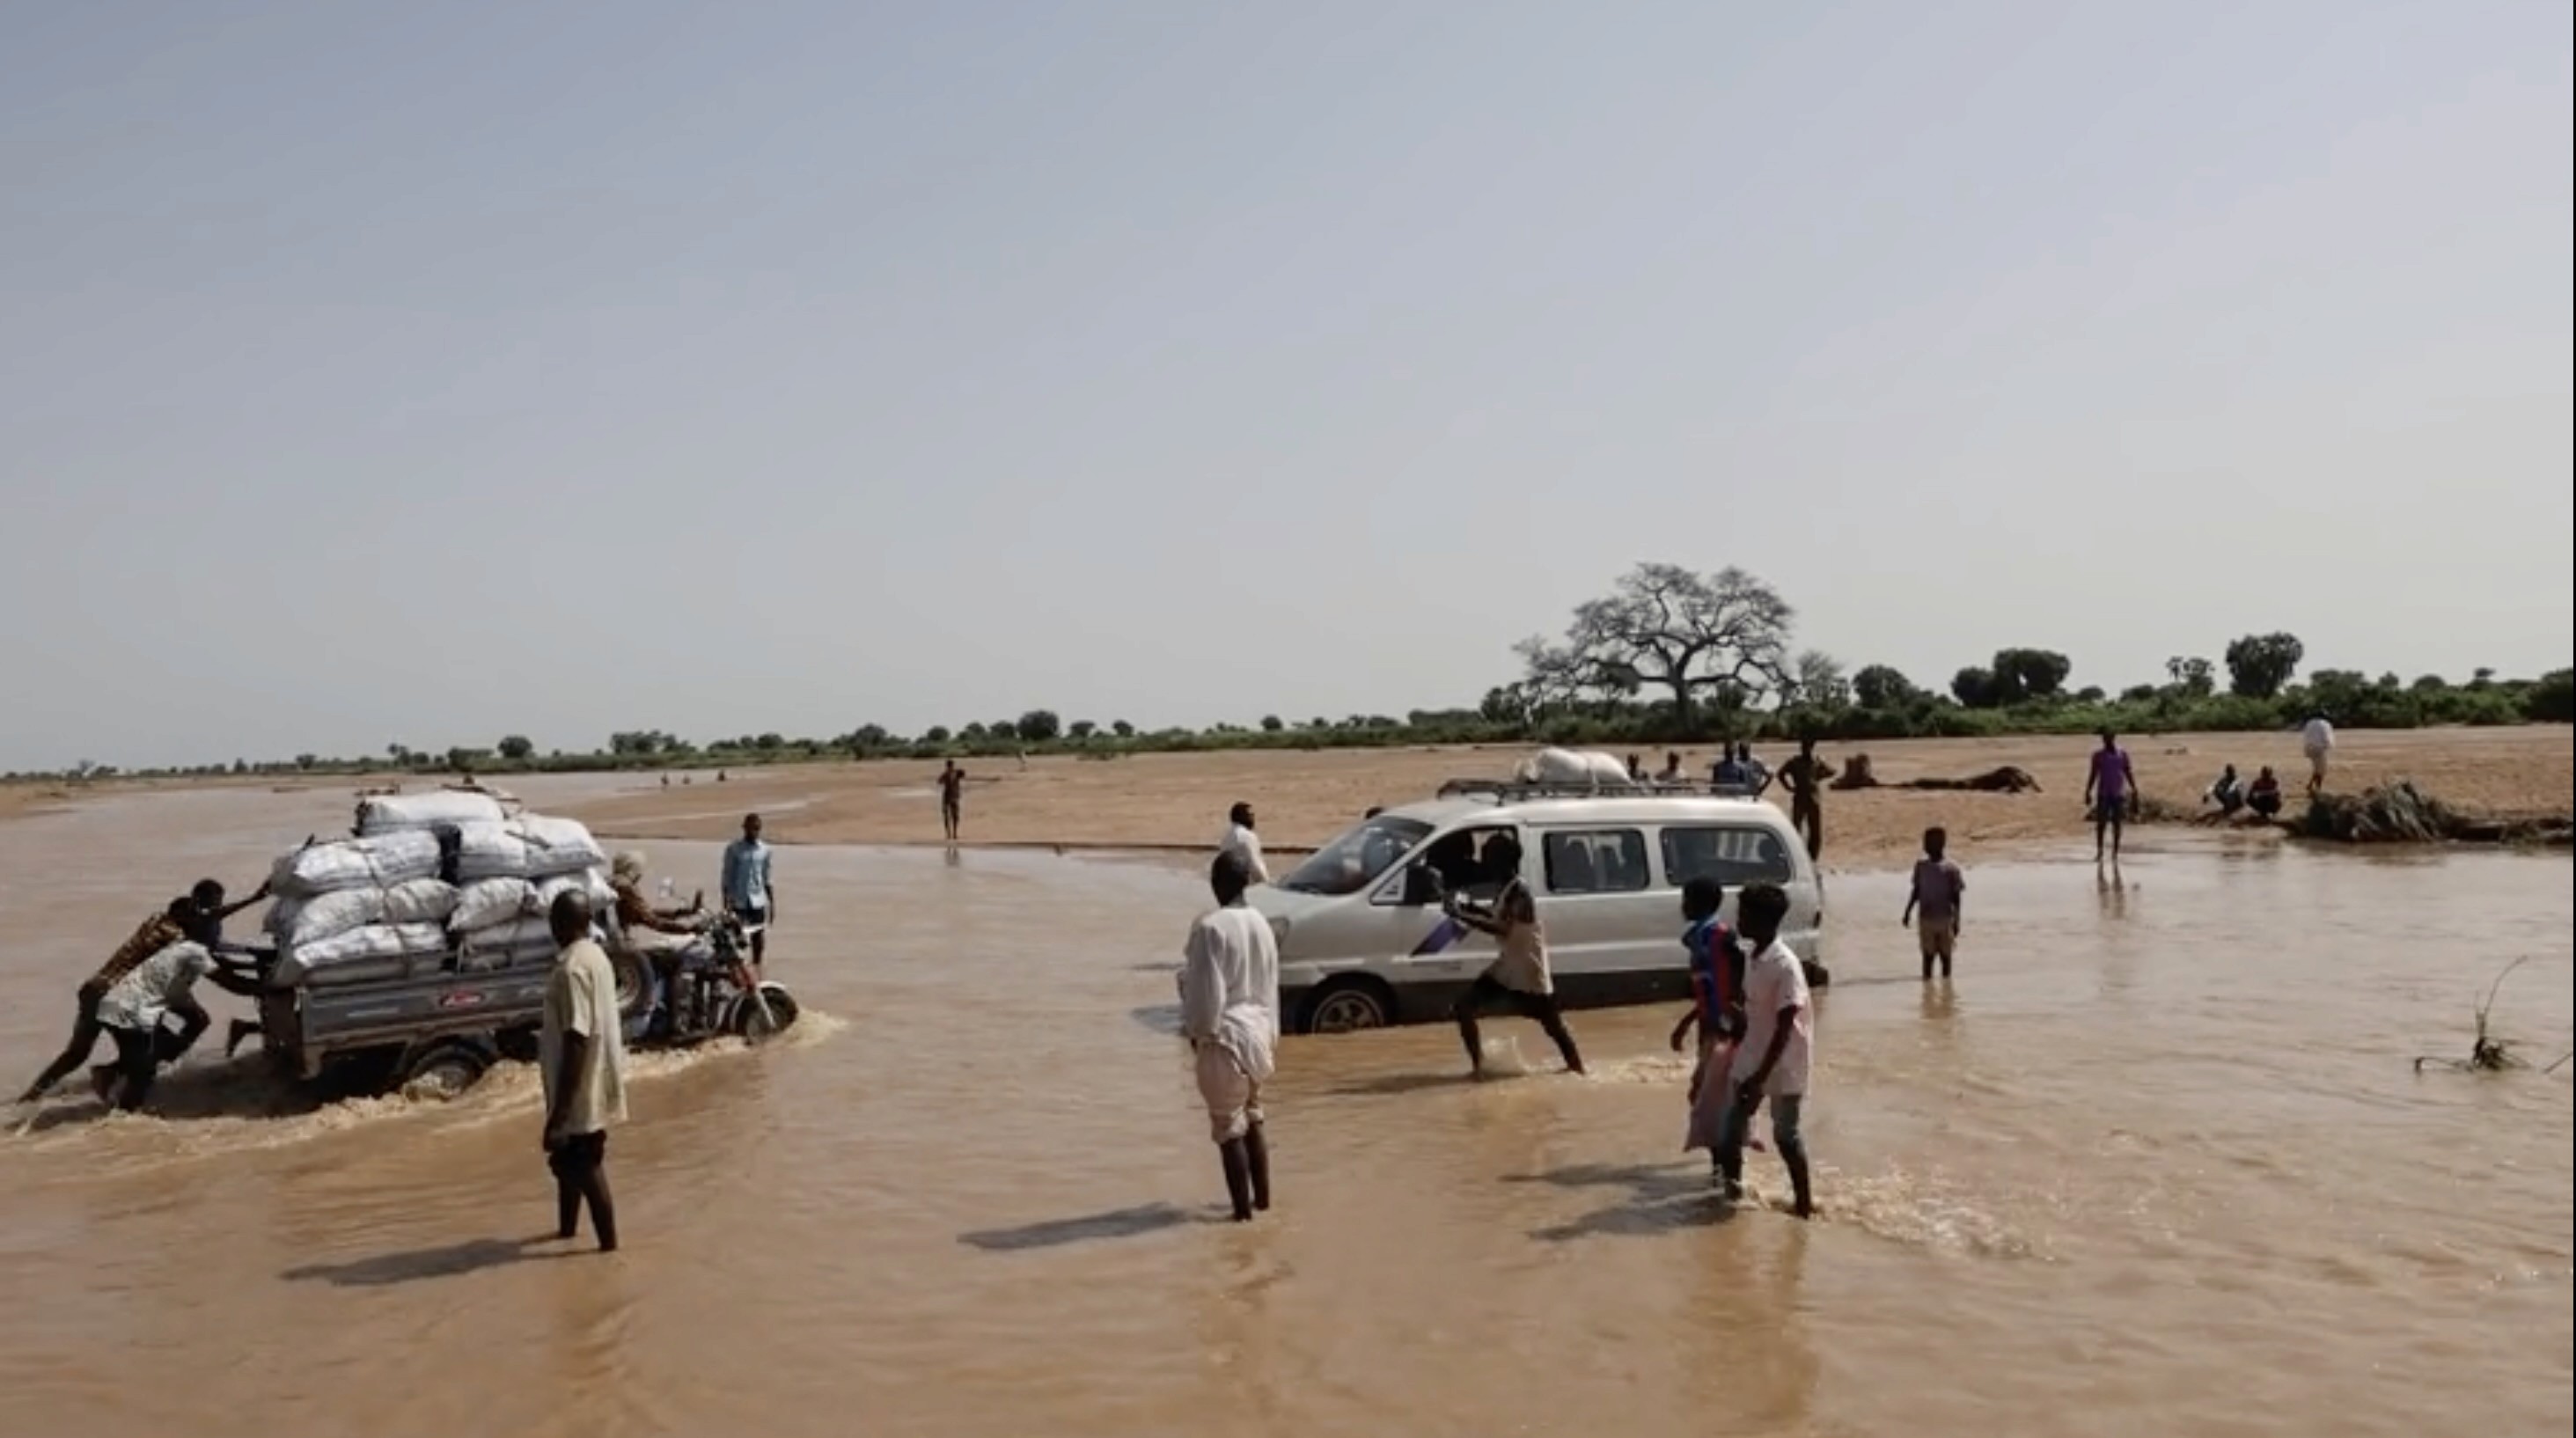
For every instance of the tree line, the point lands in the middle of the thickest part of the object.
(1668, 656)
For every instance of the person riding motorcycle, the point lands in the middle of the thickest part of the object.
(662, 936)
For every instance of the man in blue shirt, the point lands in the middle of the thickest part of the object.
(748, 893)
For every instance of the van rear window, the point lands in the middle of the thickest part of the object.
(1733, 855)
(1596, 861)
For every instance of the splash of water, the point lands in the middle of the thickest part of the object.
(225, 1106)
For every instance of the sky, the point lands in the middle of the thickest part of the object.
(421, 374)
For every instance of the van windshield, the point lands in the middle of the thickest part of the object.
(1356, 859)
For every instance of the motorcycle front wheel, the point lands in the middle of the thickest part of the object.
(750, 1023)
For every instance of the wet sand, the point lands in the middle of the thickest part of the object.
(2155, 1164)
(1305, 798)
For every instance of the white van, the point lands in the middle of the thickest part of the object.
(1363, 942)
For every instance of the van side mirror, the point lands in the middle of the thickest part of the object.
(1421, 886)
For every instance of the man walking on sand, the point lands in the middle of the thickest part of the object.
(581, 1055)
(2110, 794)
(1806, 776)
(952, 798)
(2317, 740)
(1230, 1014)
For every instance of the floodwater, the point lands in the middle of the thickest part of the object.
(2155, 1164)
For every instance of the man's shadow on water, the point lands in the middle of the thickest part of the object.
(1412, 1081)
(1660, 1199)
(445, 1261)
(1133, 1222)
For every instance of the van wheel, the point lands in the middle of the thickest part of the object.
(1349, 1005)
(443, 1071)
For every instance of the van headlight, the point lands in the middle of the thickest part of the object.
(1279, 930)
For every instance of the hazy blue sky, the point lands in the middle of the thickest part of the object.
(428, 372)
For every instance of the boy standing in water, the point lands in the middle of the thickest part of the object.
(1934, 906)
(1773, 1061)
(1717, 1008)
(749, 895)
(1518, 981)
(1230, 1013)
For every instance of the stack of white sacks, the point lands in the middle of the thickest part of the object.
(449, 879)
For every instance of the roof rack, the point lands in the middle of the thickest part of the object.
(1512, 791)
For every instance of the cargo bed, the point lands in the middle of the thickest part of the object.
(406, 1023)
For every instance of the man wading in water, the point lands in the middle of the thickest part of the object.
(2110, 795)
(1230, 1013)
(749, 893)
(1517, 982)
(581, 1054)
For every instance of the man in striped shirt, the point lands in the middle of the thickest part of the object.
(162, 929)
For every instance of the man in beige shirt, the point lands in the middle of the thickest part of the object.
(581, 1051)
(1518, 981)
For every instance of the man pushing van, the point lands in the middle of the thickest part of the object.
(1517, 982)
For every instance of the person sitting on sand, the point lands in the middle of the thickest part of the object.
(2263, 796)
(1672, 772)
(2227, 792)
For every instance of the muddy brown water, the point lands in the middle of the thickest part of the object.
(2154, 1164)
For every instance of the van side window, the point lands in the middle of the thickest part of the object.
(1734, 855)
(1598, 861)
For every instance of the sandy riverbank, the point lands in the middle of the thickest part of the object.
(1305, 798)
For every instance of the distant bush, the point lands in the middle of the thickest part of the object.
(1900, 711)
(2552, 698)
